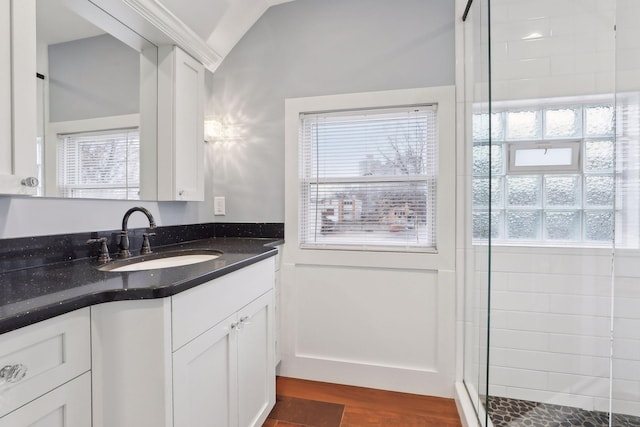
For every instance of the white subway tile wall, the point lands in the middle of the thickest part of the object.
(551, 325)
(553, 48)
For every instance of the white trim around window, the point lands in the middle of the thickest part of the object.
(442, 97)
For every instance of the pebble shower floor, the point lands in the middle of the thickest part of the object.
(505, 412)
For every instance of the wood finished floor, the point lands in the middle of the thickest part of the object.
(302, 403)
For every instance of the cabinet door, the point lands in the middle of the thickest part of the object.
(205, 379)
(180, 126)
(256, 361)
(5, 88)
(17, 96)
(67, 406)
(189, 132)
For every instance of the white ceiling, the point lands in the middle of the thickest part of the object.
(56, 24)
(220, 24)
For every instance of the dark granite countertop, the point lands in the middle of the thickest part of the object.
(29, 295)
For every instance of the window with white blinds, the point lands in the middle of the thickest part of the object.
(368, 178)
(100, 165)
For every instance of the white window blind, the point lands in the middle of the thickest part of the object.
(369, 178)
(101, 165)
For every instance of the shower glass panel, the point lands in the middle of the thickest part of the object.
(479, 162)
(552, 295)
(552, 89)
(625, 393)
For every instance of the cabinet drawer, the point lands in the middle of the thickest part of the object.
(200, 308)
(67, 406)
(52, 352)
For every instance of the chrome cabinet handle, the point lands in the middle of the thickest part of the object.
(244, 320)
(30, 181)
(238, 325)
(13, 373)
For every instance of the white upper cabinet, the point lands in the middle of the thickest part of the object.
(169, 114)
(180, 126)
(17, 97)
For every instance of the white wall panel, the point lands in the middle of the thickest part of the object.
(377, 317)
(381, 328)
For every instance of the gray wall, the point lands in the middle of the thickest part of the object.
(37, 216)
(307, 48)
(93, 77)
(303, 48)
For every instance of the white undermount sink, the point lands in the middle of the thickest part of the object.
(161, 260)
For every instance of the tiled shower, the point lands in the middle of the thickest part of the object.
(552, 256)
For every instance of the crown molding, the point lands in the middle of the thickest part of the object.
(276, 2)
(170, 25)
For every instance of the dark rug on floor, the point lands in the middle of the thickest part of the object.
(505, 412)
(307, 412)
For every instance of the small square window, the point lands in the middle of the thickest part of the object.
(481, 127)
(562, 225)
(599, 155)
(562, 191)
(487, 158)
(598, 191)
(523, 224)
(480, 189)
(562, 122)
(544, 157)
(524, 125)
(523, 191)
(599, 120)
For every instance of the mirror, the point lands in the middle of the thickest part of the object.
(97, 104)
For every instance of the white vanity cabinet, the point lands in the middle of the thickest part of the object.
(44, 373)
(180, 126)
(17, 97)
(203, 357)
(225, 377)
(66, 406)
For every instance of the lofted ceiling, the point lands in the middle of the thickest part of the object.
(220, 23)
(56, 24)
(213, 27)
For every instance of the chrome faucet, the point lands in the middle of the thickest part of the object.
(124, 235)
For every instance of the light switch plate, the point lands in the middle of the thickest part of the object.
(219, 206)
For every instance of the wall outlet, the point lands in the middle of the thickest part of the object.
(218, 206)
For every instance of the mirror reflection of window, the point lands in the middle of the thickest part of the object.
(98, 74)
(100, 165)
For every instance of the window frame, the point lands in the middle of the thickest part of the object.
(367, 256)
(513, 147)
(501, 209)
